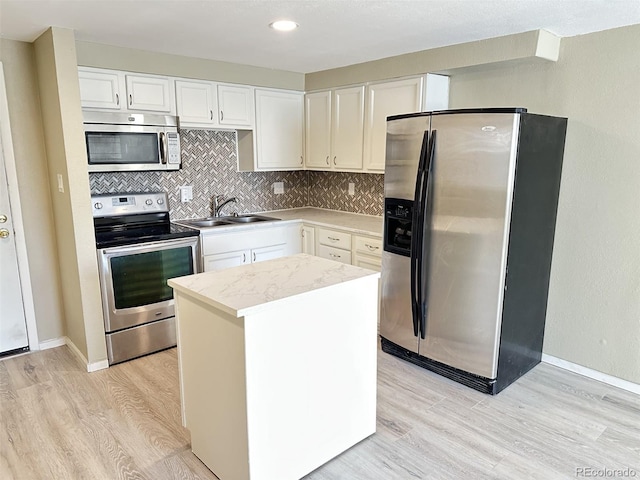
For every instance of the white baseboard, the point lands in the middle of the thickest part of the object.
(594, 374)
(53, 343)
(58, 342)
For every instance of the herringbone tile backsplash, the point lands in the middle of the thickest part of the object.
(209, 165)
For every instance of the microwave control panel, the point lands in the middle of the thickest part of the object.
(173, 148)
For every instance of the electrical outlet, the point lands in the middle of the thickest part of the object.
(352, 188)
(278, 188)
(60, 184)
(186, 193)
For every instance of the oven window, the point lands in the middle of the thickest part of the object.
(141, 279)
(122, 148)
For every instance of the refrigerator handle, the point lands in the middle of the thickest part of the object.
(425, 240)
(416, 237)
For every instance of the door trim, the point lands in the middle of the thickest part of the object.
(16, 213)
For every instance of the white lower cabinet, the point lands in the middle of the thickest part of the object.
(224, 249)
(308, 239)
(340, 246)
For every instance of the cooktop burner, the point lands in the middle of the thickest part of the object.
(131, 218)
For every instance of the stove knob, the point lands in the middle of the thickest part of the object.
(160, 201)
(148, 201)
(97, 205)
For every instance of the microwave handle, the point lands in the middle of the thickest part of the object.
(164, 154)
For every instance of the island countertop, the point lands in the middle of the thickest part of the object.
(252, 288)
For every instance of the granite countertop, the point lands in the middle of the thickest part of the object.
(251, 288)
(354, 222)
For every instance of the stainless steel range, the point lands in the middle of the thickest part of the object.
(139, 249)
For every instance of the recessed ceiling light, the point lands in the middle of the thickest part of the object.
(284, 25)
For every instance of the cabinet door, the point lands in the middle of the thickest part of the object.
(279, 118)
(308, 240)
(220, 261)
(99, 90)
(196, 102)
(384, 99)
(267, 253)
(367, 261)
(318, 130)
(148, 93)
(235, 105)
(348, 128)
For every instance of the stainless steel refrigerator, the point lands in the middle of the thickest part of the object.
(470, 209)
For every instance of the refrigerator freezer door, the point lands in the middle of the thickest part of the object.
(404, 142)
(473, 172)
(396, 321)
(405, 137)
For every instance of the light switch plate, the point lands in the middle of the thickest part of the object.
(352, 188)
(186, 193)
(278, 188)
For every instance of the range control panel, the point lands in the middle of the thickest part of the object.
(111, 204)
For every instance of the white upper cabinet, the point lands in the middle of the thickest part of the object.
(197, 103)
(317, 127)
(148, 93)
(348, 128)
(116, 90)
(279, 130)
(385, 99)
(334, 129)
(235, 105)
(99, 89)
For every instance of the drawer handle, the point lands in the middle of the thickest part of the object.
(334, 239)
(327, 160)
(334, 255)
(244, 258)
(117, 100)
(130, 99)
(371, 247)
(254, 256)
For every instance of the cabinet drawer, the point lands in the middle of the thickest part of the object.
(334, 238)
(367, 261)
(336, 254)
(368, 246)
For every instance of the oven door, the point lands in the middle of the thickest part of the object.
(133, 280)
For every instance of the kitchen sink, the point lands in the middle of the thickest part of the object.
(205, 222)
(249, 219)
(225, 221)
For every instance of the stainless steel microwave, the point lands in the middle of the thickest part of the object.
(119, 141)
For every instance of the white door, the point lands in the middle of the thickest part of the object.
(268, 253)
(13, 326)
(348, 128)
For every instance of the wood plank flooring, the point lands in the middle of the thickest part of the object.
(59, 422)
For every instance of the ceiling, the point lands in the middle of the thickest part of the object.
(332, 33)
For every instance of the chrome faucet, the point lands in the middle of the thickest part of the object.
(217, 205)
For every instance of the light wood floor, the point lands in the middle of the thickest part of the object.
(59, 422)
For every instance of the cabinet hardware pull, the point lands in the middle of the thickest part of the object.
(371, 247)
(328, 160)
(130, 99)
(244, 257)
(301, 160)
(254, 256)
(334, 161)
(4, 233)
(221, 115)
(211, 114)
(117, 99)
(3, 218)
(334, 255)
(333, 239)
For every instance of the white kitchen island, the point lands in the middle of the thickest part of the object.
(277, 364)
